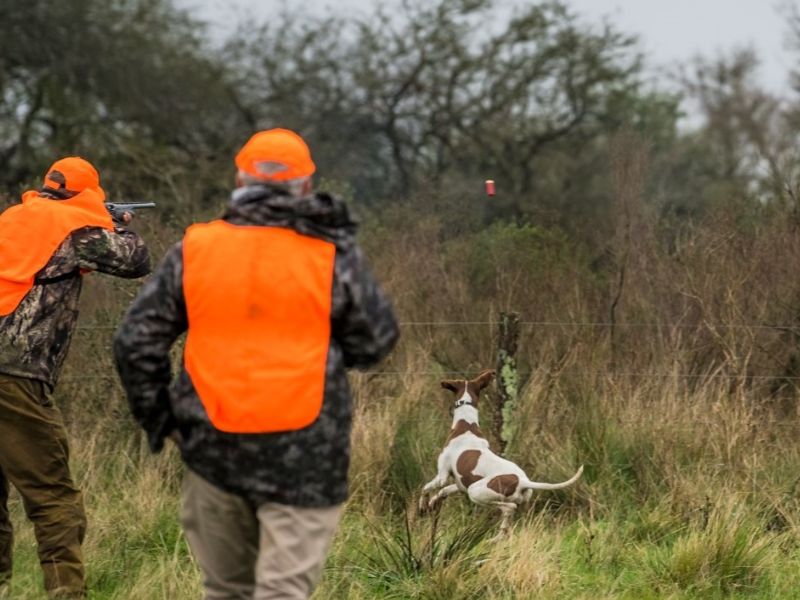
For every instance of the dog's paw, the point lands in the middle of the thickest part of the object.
(422, 506)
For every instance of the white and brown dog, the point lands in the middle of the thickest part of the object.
(488, 479)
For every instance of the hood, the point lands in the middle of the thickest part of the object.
(319, 215)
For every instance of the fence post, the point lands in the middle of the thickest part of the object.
(507, 379)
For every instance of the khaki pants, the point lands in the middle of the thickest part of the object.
(274, 552)
(34, 458)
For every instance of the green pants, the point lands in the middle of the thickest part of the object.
(34, 458)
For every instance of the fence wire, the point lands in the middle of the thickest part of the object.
(644, 375)
(564, 324)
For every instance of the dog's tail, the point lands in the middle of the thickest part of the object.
(535, 485)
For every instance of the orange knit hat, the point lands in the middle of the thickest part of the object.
(72, 174)
(276, 155)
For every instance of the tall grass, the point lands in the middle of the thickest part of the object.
(690, 491)
(687, 425)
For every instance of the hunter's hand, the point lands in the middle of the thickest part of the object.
(127, 218)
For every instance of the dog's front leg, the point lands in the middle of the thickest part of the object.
(434, 484)
(443, 493)
(442, 475)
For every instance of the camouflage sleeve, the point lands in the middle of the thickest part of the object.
(121, 253)
(366, 328)
(142, 345)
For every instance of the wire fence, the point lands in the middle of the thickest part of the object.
(620, 374)
(567, 372)
(656, 420)
(563, 324)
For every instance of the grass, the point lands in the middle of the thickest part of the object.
(685, 499)
(691, 487)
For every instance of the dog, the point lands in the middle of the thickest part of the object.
(488, 479)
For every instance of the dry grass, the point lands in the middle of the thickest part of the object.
(690, 491)
(688, 429)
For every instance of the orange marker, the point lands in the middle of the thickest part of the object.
(490, 187)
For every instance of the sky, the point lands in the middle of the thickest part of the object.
(671, 31)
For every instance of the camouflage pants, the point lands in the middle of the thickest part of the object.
(34, 458)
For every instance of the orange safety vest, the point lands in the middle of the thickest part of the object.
(258, 301)
(31, 232)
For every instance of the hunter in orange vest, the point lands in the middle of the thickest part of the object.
(277, 302)
(58, 233)
(31, 232)
(279, 321)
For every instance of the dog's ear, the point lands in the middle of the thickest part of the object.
(485, 378)
(450, 384)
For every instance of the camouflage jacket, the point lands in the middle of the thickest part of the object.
(307, 467)
(35, 338)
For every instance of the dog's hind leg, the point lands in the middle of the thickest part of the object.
(507, 510)
(480, 493)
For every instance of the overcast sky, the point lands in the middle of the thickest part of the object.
(671, 31)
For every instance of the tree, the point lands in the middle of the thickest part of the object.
(108, 80)
(430, 93)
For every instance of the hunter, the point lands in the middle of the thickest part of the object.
(277, 302)
(47, 243)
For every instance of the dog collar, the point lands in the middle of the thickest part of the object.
(464, 402)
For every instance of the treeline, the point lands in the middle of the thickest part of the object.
(610, 209)
(418, 96)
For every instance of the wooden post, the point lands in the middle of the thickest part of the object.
(507, 379)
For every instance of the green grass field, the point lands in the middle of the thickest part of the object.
(688, 493)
